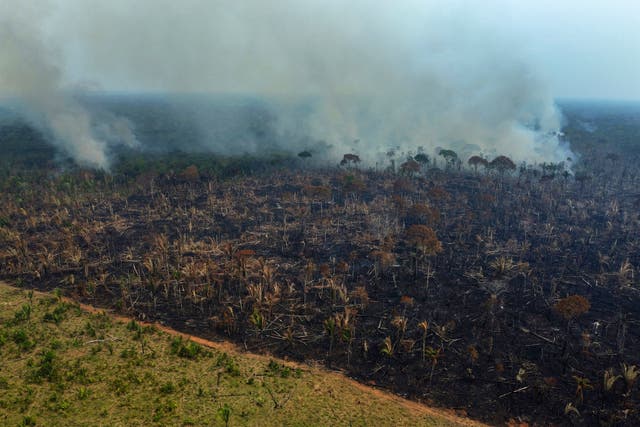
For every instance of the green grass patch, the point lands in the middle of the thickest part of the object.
(63, 367)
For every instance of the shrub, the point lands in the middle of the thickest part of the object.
(47, 367)
(424, 239)
(186, 348)
(191, 173)
(229, 364)
(225, 413)
(23, 314)
(83, 393)
(21, 339)
(128, 353)
(27, 421)
(277, 369)
(572, 306)
(134, 326)
(119, 386)
(57, 315)
(167, 388)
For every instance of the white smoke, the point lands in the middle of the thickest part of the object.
(404, 74)
(30, 73)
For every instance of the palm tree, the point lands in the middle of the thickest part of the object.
(400, 323)
(257, 320)
(387, 347)
(630, 374)
(609, 379)
(424, 326)
(582, 384)
(570, 308)
(330, 329)
(434, 355)
(426, 244)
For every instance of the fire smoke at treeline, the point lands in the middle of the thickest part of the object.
(386, 74)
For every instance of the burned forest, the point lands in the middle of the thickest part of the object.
(506, 291)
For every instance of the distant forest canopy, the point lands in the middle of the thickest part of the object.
(592, 123)
(163, 125)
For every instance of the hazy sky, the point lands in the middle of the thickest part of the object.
(584, 48)
(581, 48)
(476, 76)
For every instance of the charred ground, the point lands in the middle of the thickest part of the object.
(510, 295)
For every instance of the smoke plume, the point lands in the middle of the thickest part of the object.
(30, 74)
(358, 76)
